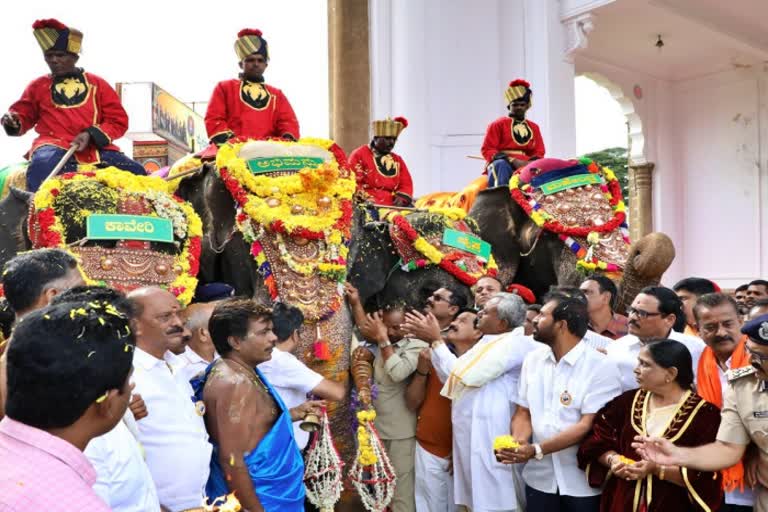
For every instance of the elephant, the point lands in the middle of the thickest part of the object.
(538, 259)
(14, 208)
(375, 270)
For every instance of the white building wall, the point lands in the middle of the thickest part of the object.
(723, 149)
(444, 65)
(708, 138)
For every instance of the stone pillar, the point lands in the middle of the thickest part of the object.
(349, 72)
(641, 199)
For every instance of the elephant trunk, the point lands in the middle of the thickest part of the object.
(648, 259)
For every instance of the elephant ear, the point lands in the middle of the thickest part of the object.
(374, 258)
(499, 220)
(22, 195)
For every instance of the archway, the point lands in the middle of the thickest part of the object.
(639, 182)
(636, 138)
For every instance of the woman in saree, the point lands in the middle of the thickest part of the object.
(666, 406)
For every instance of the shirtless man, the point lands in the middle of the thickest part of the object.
(255, 454)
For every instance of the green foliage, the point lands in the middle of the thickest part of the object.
(618, 161)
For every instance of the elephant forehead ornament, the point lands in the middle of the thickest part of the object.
(581, 202)
(126, 231)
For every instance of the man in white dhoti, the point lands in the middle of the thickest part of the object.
(482, 383)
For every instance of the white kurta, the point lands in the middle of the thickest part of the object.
(479, 416)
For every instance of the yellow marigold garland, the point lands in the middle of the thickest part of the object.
(287, 199)
(366, 455)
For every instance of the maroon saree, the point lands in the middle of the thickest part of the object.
(694, 423)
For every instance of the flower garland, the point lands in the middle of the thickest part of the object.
(372, 473)
(323, 469)
(366, 454)
(314, 204)
(611, 190)
(290, 204)
(435, 257)
(186, 223)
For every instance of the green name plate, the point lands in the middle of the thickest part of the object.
(129, 227)
(570, 182)
(282, 163)
(467, 242)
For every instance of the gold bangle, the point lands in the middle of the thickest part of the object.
(661, 472)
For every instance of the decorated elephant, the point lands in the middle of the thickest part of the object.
(402, 260)
(126, 231)
(560, 220)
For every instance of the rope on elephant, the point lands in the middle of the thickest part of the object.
(220, 248)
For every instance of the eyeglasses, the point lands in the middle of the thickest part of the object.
(639, 313)
(761, 357)
(438, 298)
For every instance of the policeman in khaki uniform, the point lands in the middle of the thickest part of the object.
(744, 419)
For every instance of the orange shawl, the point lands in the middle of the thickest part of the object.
(708, 387)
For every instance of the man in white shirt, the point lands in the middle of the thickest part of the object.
(562, 386)
(123, 479)
(292, 379)
(482, 385)
(652, 316)
(199, 351)
(173, 433)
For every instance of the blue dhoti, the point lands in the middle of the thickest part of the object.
(275, 465)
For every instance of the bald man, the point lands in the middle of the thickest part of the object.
(173, 432)
(199, 351)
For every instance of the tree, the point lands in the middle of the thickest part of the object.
(617, 159)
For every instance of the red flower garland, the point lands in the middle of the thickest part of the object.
(614, 189)
(447, 263)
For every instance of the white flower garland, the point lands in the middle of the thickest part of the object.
(322, 473)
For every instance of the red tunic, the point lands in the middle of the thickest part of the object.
(382, 177)
(74, 105)
(615, 427)
(522, 144)
(251, 110)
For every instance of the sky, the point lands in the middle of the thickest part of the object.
(600, 122)
(187, 47)
(184, 47)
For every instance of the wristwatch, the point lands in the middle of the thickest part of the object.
(385, 344)
(538, 453)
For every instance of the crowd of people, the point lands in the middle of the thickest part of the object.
(484, 401)
(131, 402)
